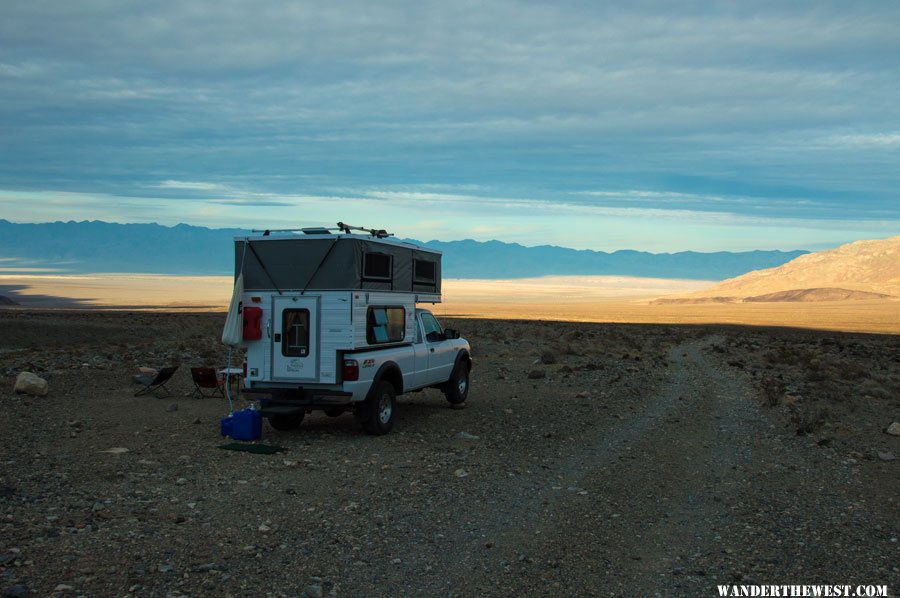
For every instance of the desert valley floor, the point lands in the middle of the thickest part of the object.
(590, 459)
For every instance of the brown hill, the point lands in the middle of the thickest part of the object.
(871, 267)
(829, 294)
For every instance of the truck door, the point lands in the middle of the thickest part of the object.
(441, 352)
(295, 338)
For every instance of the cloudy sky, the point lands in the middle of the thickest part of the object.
(649, 125)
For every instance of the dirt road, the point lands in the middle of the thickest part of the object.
(590, 459)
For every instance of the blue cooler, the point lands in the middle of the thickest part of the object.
(226, 425)
(246, 424)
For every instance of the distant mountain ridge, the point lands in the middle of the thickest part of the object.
(96, 247)
(863, 270)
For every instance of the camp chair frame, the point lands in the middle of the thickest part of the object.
(152, 384)
(207, 383)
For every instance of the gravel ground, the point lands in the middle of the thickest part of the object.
(590, 459)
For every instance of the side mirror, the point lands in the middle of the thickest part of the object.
(451, 333)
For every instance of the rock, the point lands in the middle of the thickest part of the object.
(63, 588)
(583, 395)
(894, 429)
(467, 436)
(172, 407)
(145, 371)
(313, 591)
(166, 568)
(31, 384)
(181, 481)
(264, 528)
(548, 358)
(116, 450)
(537, 374)
(16, 591)
(887, 456)
(460, 473)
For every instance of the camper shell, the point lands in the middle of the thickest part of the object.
(328, 316)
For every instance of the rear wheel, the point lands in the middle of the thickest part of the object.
(286, 422)
(377, 412)
(457, 387)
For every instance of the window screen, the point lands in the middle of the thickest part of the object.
(377, 266)
(424, 271)
(385, 325)
(295, 333)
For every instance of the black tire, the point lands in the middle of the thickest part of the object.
(457, 388)
(286, 422)
(376, 413)
(334, 411)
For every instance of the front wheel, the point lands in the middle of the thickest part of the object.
(457, 388)
(377, 412)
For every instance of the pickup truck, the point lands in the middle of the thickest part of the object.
(370, 379)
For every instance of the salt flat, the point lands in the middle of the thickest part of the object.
(571, 298)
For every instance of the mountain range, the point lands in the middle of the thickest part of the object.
(862, 270)
(97, 247)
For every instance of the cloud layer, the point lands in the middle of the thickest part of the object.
(764, 112)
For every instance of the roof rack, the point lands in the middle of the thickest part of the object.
(378, 233)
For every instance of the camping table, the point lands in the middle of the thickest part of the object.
(232, 376)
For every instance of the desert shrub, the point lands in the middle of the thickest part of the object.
(772, 391)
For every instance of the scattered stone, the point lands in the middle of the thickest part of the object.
(548, 358)
(166, 568)
(460, 473)
(181, 481)
(16, 591)
(145, 371)
(467, 436)
(894, 429)
(396, 561)
(63, 588)
(197, 421)
(116, 450)
(537, 374)
(886, 456)
(31, 384)
(172, 407)
(583, 395)
(264, 528)
(313, 591)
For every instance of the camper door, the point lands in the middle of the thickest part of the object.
(295, 338)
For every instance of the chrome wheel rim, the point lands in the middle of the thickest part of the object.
(462, 385)
(385, 408)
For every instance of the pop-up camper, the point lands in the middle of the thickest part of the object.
(329, 321)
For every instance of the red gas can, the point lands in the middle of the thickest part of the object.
(252, 323)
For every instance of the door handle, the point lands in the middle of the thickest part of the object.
(431, 350)
(277, 338)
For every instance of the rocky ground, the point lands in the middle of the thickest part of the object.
(590, 459)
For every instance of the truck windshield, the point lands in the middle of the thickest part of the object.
(433, 330)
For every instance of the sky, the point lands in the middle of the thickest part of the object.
(645, 125)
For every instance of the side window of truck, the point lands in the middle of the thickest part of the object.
(433, 330)
(385, 325)
(295, 333)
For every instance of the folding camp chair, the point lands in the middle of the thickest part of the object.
(153, 383)
(207, 383)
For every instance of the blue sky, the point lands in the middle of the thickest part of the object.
(648, 125)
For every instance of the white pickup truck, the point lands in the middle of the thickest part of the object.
(371, 379)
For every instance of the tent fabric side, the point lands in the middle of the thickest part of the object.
(328, 264)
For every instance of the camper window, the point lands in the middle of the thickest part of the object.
(385, 325)
(295, 333)
(424, 272)
(377, 266)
